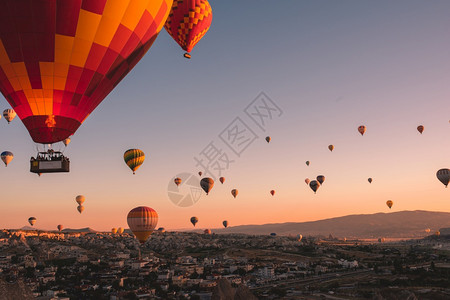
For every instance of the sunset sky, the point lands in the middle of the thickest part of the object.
(330, 66)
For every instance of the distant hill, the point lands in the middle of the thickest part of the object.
(28, 228)
(81, 230)
(403, 224)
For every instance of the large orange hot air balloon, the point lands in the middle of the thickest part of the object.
(60, 59)
(142, 221)
(188, 22)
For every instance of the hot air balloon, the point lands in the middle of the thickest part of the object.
(389, 203)
(7, 157)
(60, 227)
(307, 181)
(188, 22)
(307, 162)
(272, 192)
(207, 184)
(66, 142)
(120, 230)
(225, 223)
(200, 173)
(443, 175)
(437, 233)
(331, 148)
(32, 220)
(320, 179)
(268, 139)
(177, 181)
(194, 220)
(134, 158)
(9, 115)
(60, 59)
(273, 234)
(207, 231)
(420, 128)
(80, 208)
(234, 192)
(427, 230)
(80, 199)
(299, 237)
(161, 229)
(362, 129)
(369, 180)
(222, 180)
(113, 230)
(142, 221)
(381, 240)
(314, 185)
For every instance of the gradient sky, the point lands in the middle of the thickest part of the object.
(330, 65)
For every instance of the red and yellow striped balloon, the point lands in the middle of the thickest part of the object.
(59, 59)
(188, 22)
(142, 221)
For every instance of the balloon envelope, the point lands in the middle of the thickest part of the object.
(420, 128)
(60, 59)
(444, 176)
(120, 230)
(80, 199)
(194, 220)
(207, 231)
(307, 162)
(369, 180)
(307, 180)
(389, 203)
(272, 192)
(142, 221)
(207, 184)
(188, 22)
(320, 179)
(7, 157)
(134, 158)
(80, 208)
(32, 221)
(362, 129)
(225, 223)
(113, 230)
(268, 139)
(66, 142)
(222, 180)
(177, 181)
(60, 227)
(314, 185)
(9, 115)
(234, 192)
(331, 148)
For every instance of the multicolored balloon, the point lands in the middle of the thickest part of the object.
(188, 22)
(177, 181)
(362, 129)
(60, 59)
(207, 184)
(142, 221)
(134, 158)
(7, 157)
(194, 220)
(9, 114)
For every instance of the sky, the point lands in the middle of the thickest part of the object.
(329, 66)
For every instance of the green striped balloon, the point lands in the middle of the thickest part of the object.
(134, 158)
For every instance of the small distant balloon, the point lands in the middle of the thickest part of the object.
(32, 221)
(420, 128)
(437, 233)
(362, 129)
(80, 199)
(389, 203)
(225, 223)
(9, 115)
(320, 179)
(134, 158)
(299, 237)
(177, 181)
(120, 230)
(427, 230)
(161, 229)
(200, 173)
(66, 142)
(207, 231)
(194, 220)
(234, 192)
(273, 234)
(113, 230)
(222, 180)
(272, 192)
(307, 181)
(268, 139)
(444, 176)
(60, 227)
(80, 208)
(307, 162)
(370, 180)
(7, 157)
(331, 147)
(207, 184)
(314, 185)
